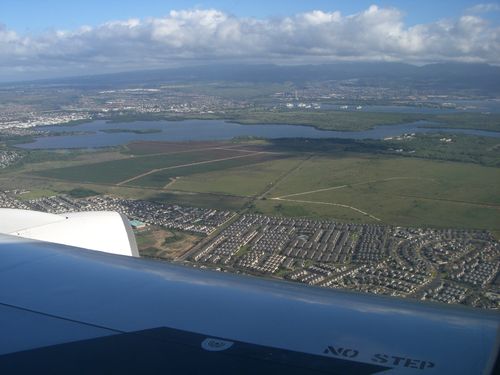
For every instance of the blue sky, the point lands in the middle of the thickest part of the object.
(47, 38)
(37, 15)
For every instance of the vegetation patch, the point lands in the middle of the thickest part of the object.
(325, 120)
(399, 191)
(80, 192)
(161, 178)
(222, 202)
(36, 193)
(155, 147)
(246, 180)
(163, 243)
(116, 171)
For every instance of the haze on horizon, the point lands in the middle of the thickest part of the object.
(207, 34)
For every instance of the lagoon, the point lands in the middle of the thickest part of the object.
(97, 134)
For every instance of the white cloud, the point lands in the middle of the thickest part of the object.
(210, 35)
(483, 8)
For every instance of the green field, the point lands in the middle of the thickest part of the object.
(161, 178)
(405, 177)
(243, 181)
(398, 191)
(390, 190)
(204, 200)
(116, 171)
(321, 180)
(203, 174)
(37, 193)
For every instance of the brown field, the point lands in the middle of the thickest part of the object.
(163, 243)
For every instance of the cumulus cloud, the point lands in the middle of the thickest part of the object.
(208, 35)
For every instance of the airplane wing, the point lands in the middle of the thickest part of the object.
(70, 310)
(95, 230)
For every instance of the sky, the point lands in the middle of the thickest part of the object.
(50, 38)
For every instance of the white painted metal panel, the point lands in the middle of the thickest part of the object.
(104, 231)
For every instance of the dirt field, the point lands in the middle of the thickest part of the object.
(163, 243)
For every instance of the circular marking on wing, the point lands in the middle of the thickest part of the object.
(216, 345)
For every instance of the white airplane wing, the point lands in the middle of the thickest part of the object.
(99, 230)
(74, 311)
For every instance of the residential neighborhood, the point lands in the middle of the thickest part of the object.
(452, 266)
(443, 265)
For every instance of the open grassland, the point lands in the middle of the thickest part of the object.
(407, 177)
(35, 160)
(390, 208)
(313, 182)
(152, 147)
(51, 187)
(371, 189)
(249, 180)
(222, 202)
(116, 171)
(318, 211)
(399, 191)
(394, 211)
(36, 193)
(163, 177)
(249, 162)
